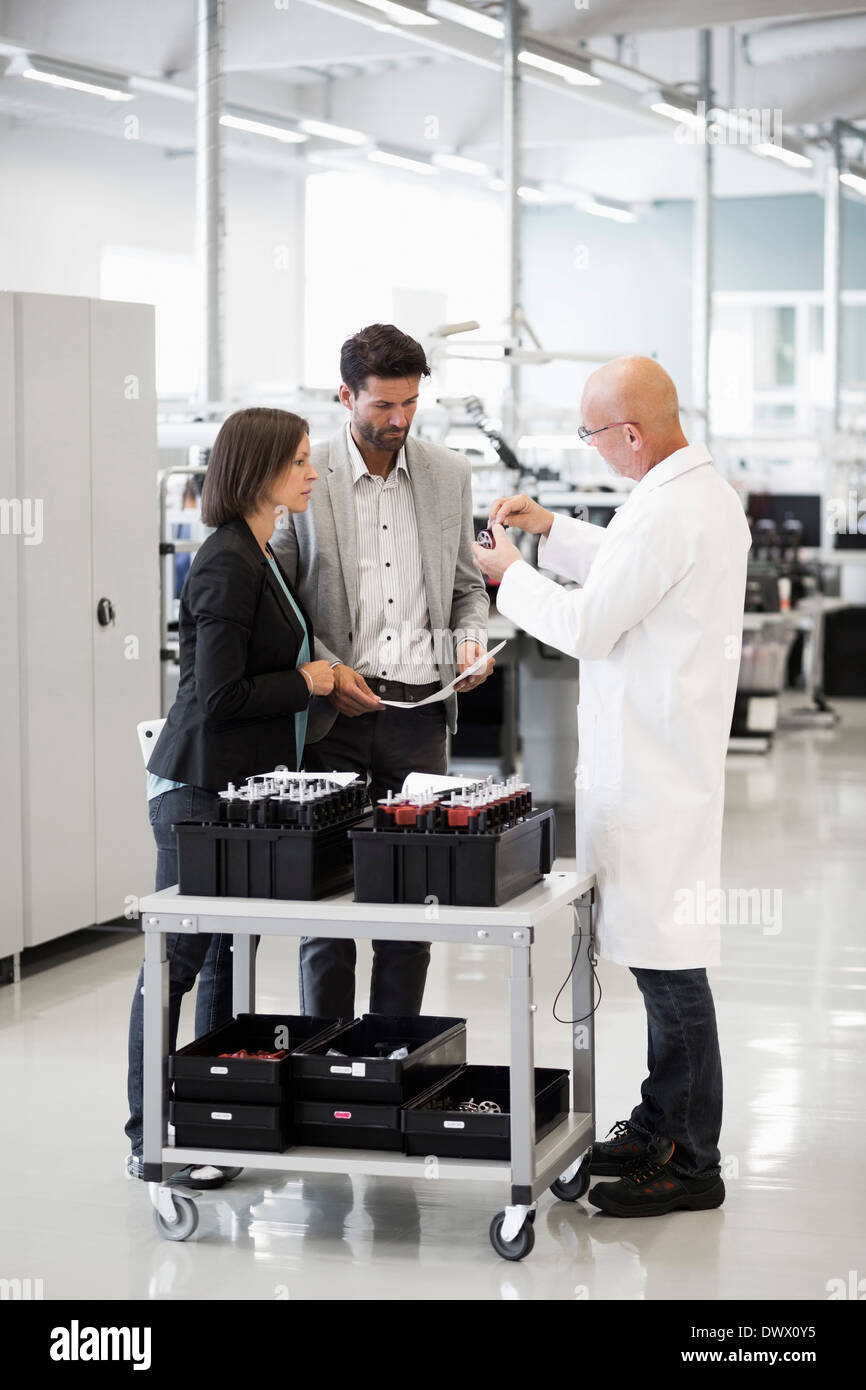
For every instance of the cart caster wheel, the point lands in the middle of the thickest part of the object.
(187, 1219)
(231, 1173)
(577, 1186)
(516, 1249)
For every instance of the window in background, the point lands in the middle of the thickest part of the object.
(767, 366)
(854, 362)
(379, 246)
(165, 279)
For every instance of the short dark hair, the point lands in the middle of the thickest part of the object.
(380, 350)
(250, 451)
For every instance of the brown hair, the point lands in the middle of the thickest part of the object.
(249, 453)
(380, 350)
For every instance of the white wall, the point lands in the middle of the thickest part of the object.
(65, 196)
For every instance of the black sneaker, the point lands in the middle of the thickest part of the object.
(651, 1188)
(618, 1151)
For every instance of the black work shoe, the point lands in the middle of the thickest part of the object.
(618, 1151)
(651, 1188)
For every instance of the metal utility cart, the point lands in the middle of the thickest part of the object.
(559, 1161)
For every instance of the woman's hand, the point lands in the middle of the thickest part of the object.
(321, 675)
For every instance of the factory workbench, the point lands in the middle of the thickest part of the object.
(533, 918)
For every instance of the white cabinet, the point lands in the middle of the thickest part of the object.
(77, 406)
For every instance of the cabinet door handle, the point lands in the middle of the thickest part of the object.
(105, 612)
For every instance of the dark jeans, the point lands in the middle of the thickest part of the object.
(189, 956)
(681, 1097)
(382, 747)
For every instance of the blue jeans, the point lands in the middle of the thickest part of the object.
(681, 1097)
(189, 956)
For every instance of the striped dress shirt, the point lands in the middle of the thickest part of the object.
(392, 624)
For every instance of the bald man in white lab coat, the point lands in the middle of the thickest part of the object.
(657, 627)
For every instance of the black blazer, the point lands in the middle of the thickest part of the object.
(239, 689)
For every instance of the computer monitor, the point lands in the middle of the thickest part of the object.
(783, 506)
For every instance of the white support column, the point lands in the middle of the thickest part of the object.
(702, 258)
(833, 280)
(209, 218)
(511, 18)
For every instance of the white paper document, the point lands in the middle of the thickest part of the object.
(420, 783)
(342, 779)
(447, 690)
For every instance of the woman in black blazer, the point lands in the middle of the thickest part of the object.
(246, 679)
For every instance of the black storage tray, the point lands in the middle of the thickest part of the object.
(346, 1125)
(236, 861)
(211, 1125)
(455, 869)
(432, 1124)
(436, 1046)
(200, 1073)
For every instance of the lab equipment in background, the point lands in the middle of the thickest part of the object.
(548, 686)
(796, 518)
(763, 661)
(486, 735)
(175, 488)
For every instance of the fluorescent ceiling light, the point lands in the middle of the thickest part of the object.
(400, 14)
(497, 185)
(797, 161)
(621, 76)
(467, 16)
(609, 210)
(401, 161)
(857, 181)
(253, 126)
(344, 135)
(682, 114)
(71, 75)
(575, 74)
(460, 164)
(531, 195)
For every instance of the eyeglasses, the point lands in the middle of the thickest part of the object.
(584, 433)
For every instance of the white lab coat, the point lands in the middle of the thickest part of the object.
(657, 628)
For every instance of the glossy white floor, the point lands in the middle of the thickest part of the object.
(790, 999)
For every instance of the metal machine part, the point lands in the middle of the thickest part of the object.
(486, 807)
(282, 800)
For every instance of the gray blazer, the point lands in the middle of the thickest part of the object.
(317, 550)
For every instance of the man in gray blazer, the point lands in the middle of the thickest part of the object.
(382, 561)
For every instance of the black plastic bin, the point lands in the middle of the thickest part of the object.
(436, 1046)
(200, 1073)
(455, 869)
(214, 1125)
(237, 861)
(345, 1124)
(432, 1123)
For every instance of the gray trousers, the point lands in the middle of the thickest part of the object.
(382, 748)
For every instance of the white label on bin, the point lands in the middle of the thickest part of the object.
(341, 1071)
(220, 1114)
(359, 1068)
(454, 1124)
(762, 714)
(219, 1071)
